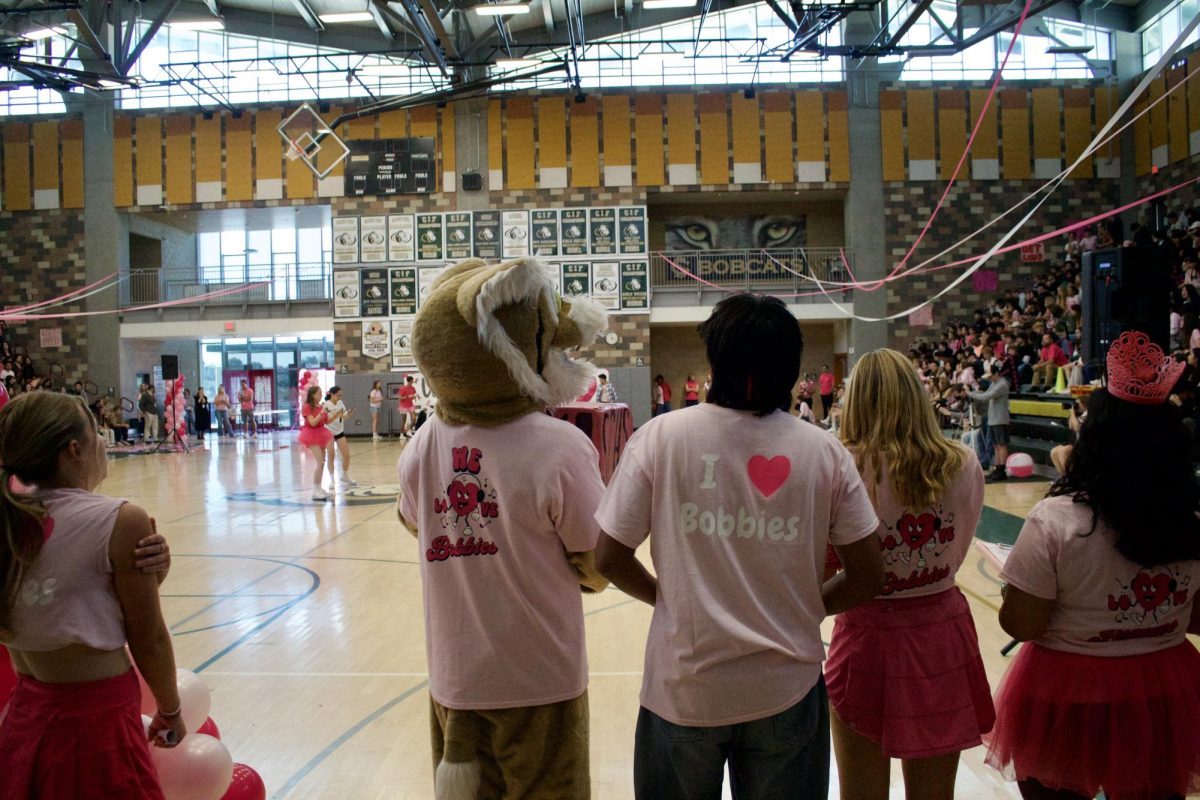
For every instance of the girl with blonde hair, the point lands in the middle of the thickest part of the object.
(905, 676)
(71, 597)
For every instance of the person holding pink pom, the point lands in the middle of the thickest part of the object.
(316, 438)
(73, 592)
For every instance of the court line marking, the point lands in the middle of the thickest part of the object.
(349, 734)
(235, 674)
(210, 596)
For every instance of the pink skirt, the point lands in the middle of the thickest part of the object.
(1129, 725)
(314, 437)
(76, 741)
(907, 674)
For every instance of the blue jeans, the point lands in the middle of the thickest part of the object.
(781, 757)
(983, 446)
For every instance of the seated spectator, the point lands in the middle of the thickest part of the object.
(1050, 358)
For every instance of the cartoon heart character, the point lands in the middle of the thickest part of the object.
(1151, 591)
(916, 531)
(464, 495)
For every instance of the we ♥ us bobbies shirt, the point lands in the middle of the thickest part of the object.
(924, 547)
(1104, 604)
(739, 510)
(496, 510)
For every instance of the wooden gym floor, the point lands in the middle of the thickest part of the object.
(305, 621)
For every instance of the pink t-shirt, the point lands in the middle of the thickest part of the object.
(1104, 604)
(825, 380)
(741, 510)
(246, 398)
(924, 547)
(495, 516)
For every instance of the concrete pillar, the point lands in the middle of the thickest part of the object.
(1128, 68)
(471, 143)
(106, 243)
(864, 201)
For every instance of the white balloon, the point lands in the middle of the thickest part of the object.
(194, 697)
(1019, 465)
(200, 768)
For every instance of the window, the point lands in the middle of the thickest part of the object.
(1162, 31)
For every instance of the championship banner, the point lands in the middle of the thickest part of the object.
(488, 244)
(376, 339)
(402, 354)
(543, 223)
(430, 242)
(605, 284)
(515, 227)
(458, 235)
(374, 292)
(346, 294)
(402, 238)
(573, 232)
(425, 278)
(602, 231)
(576, 279)
(403, 284)
(635, 286)
(373, 239)
(632, 230)
(345, 240)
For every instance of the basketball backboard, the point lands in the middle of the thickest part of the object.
(308, 138)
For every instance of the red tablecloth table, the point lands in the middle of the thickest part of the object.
(608, 425)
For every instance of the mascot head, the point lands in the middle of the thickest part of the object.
(492, 341)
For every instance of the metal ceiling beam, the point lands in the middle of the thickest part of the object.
(433, 48)
(547, 15)
(380, 20)
(308, 15)
(213, 8)
(88, 37)
(155, 25)
(783, 15)
(906, 26)
(439, 30)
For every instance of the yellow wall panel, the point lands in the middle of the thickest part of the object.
(72, 163)
(518, 143)
(618, 150)
(810, 136)
(552, 131)
(424, 122)
(648, 134)
(361, 129)
(179, 186)
(891, 133)
(1158, 114)
(122, 162)
(208, 149)
(393, 125)
(496, 140)
(839, 137)
(585, 143)
(952, 131)
(778, 137)
(17, 194)
(449, 144)
(299, 183)
(328, 155)
(1015, 161)
(1077, 129)
(681, 129)
(714, 139)
(1141, 140)
(1193, 92)
(921, 143)
(239, 158)
(987, 139)
(45, 156)
(1177, 120)
(149, 151)
(268, 147)
(747, 129)
(1047, 124)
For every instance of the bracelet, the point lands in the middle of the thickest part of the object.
(170, 714)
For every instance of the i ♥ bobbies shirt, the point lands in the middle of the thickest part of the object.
(739, 510)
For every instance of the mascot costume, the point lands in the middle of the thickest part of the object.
(501, 497)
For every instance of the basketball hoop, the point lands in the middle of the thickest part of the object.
(293, 151)
(310, 140)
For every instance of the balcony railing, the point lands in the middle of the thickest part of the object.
(782, 272)
(279, 283)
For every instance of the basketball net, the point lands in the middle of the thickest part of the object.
(293, 151)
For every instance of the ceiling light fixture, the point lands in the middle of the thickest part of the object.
(206, 24)
(107, 84)
(651, 5)
(350, 16)
(1068, 50)
(517, 63)
(501, 9)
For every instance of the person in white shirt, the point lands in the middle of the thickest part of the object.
(605, 391)
(337, 411)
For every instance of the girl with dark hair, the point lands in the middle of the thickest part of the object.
(72, 596)
(739, 500)
(337, 412)
(316, 438)
(1101, 583)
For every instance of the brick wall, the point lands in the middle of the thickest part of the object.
(42, 256)
(970, 205)
(1168, 176)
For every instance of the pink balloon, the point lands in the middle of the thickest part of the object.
(209, 728)
(200, 768)
(246, 785)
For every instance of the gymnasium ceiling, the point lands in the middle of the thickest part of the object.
(449, 36)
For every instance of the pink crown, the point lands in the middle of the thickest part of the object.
(1138, 371)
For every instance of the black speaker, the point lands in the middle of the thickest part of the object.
(170, 368)
(472, 181)
(1127, 288)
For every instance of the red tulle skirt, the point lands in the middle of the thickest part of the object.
(1129, 725)
(315, 437)
(907, 674)
(76, 741)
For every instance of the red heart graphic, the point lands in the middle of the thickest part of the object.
(917, 531)
(463, 497)
(768, 475)
(1151, 591)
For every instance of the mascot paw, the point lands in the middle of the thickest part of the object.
(590, 579)
(456, 781)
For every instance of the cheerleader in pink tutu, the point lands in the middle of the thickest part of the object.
(904, 672)
(1101, 584)
(316, 438)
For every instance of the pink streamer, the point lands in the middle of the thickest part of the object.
(8, 310)
(181, 302)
